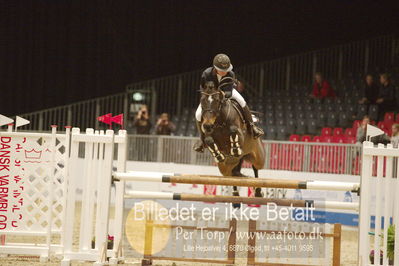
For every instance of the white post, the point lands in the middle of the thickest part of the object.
(387, 203)
(104, 198)
(121, 141)
(50, 198)
(364, 215)
(66, 176)
(99, 171)
(378, 203)
(93, 181)
(85, 219)
(71, 197)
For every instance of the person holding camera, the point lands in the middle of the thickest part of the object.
(142, 121)
(164, 125)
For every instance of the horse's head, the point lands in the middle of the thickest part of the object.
(211, 104)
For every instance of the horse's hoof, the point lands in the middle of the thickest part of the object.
(236, 151)
(236, 205)
(258, 192)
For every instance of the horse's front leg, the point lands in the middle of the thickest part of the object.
(213, 148)
(235, 141)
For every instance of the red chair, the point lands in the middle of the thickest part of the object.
(338, 131)
(326, 131)
(356, 124)
(381, 125)
(328, 139)
(306, 138)
(294, 137)
(338, 139)
(389, 117)
(317, 139)
(350, 140)
(350, 132)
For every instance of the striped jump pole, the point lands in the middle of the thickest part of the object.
(242, 200)
(236, 181)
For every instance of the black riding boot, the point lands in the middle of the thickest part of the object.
(255, 130)
(199, 145)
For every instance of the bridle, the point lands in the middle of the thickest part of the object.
(218, 91)
(220, 105)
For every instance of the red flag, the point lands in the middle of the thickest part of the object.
(118, 119)
(107, 119)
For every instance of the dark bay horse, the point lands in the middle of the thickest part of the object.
(226, 135)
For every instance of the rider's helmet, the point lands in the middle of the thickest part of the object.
(222, 63)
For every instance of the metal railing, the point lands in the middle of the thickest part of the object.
(174, 94)
(280, 155)
(82, 114)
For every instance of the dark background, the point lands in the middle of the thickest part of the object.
(57, 52)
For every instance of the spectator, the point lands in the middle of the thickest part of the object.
(395, 135)
(164, 126)
(386, 96)
(361, 131)
(321, 87)
(142, 121)
(370, 91)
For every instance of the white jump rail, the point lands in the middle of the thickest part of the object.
(166, 178)
(179, 196)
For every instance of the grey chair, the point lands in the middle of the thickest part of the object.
(300, 127)
(361, 111)
(312, 127)
(282, 133)
(321, 119)
(344, 120)
(332, 119)
(291, 126)
(270, 132)
(373, 112)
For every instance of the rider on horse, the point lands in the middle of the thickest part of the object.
(222, 68)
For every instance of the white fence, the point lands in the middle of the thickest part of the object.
(33, 180)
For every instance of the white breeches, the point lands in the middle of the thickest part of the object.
(235, 95)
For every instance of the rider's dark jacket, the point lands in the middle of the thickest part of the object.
(209, 74)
